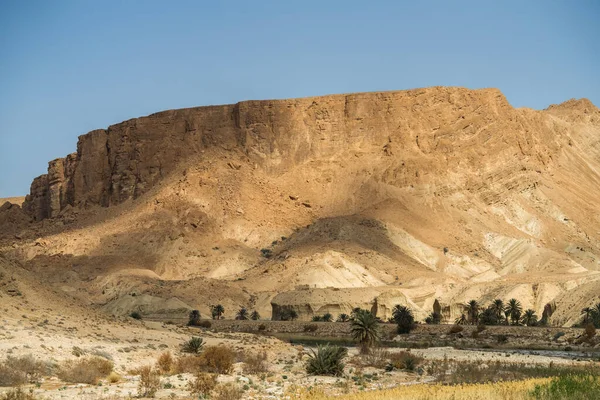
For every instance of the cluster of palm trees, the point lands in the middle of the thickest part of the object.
(498, 313)
(591, 315)
(243, 314)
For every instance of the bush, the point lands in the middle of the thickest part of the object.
(310, 328)
(135, 315)
(502, 339)
(262, 327)
(165, 362)
(377, 358)
(327, 360)
(149, 381)
(455, 329)
(217, 359)
(20, 370)
(194, 318)
(187, 364)
(569, 387)
(85, 370)
(202, 384)
(590, 331)
(18, 394)
(228, 391)
(204, 324)
(194, 345)
(255, 363)
(404, 360)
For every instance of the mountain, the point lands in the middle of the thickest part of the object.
(326, 203)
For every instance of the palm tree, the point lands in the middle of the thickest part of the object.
(255, 316)
(513, 310)
(529, 318)
(498, 307)
(365, 329)
(404, 318)
(472, 308)
(587, 313)
(194, 318)
(327, 317)
(242, 314)
(343, 318)
(462, 320)
(433, 319)
(217, 311)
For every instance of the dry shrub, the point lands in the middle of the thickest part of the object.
(217, 359)
(255, 363)
(20, 370)
(18, 394)
(165, 362)
(202, 384)
(113, 377)
(205, 324)
(456, 329)
(187, 364)
(149, 381)
(377, 358)
(228, 391)
(404, 360)
(590, 331)
(85, 370)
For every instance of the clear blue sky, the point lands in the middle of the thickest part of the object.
(67, 67)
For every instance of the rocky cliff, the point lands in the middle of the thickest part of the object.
(442, 127)
(419, 197)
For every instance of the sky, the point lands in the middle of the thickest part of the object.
(68, 67)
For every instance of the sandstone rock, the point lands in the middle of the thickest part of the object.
(126, 160)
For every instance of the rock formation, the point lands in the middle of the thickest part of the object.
(324, 204)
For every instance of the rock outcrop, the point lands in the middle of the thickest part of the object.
(443, 127)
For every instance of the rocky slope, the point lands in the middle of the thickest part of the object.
(326, 203)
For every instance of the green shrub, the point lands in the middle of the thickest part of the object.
(194, 318)
(194, 345)
(135, 315)
(327, 360)
(573, 387)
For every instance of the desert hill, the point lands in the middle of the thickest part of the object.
(324, 204)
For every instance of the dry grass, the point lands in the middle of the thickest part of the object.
(490, 391)
(227, 391)
(85, 370)
(18, 394)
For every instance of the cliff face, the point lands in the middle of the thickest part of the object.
(438, 195)
(428, 130)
